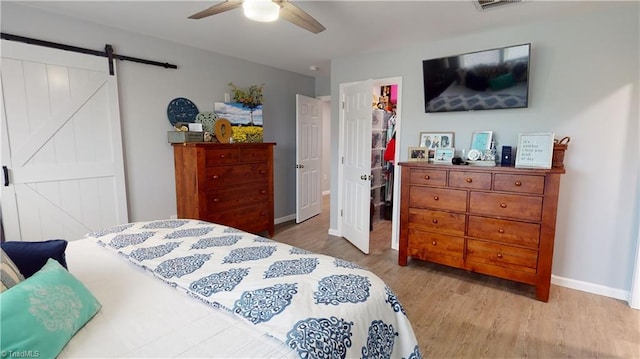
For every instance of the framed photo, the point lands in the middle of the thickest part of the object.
(481, 140)
(444, 155)
(433, 140)
(418, 154)
(535, 150)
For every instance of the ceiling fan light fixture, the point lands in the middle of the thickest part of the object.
(261, 10)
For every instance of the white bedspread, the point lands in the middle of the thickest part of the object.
(145, 318)
(317, 305)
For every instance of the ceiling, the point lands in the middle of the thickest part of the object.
(353, 27)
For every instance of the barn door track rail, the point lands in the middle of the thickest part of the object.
(108, 51)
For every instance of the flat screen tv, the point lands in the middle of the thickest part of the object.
(483, 80)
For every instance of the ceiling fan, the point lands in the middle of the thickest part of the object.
(266, 10)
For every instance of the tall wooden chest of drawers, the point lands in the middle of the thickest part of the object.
(230, 184)
(498, 221)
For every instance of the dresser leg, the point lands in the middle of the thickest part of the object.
(402, 260)
(542, 292)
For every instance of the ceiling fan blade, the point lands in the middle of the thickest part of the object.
(218, 8)
(298, 17)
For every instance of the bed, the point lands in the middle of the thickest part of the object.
(187, 288)
(460, 98)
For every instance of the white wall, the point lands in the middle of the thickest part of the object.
(584, 83)
(145, 92)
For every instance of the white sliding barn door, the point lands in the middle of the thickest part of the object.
(61, 144)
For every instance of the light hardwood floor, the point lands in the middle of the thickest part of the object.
(458, 314)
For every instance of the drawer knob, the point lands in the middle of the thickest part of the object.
(501, 231)
(262, 213)
(216, 200)
(435, 198)
(222, 155)
(500, 255)
(503, 205)
(518, 183)
(435, 221)
(263, 192)
(215, 177)
(469, 180)
(434, 243)
(427, 177)
(262, 172)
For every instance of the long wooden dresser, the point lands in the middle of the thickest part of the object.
(498, 221)
(230, 184)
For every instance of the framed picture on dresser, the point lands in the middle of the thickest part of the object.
(444, 155)
(433, 140)
(418, 154)
(535, 150)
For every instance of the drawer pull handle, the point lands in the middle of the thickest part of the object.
(434, 243)
(503, 205)
(518, 183)
(435, 198)
(427, 177)
(262, 172)
(262, 213)
(501, 231)
(222, 156)
(469, 180)
(216, 200)
(435, 221)
(500, 255)
(215, 177)
(263, 192)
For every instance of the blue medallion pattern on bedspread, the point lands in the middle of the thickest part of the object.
(320, 306)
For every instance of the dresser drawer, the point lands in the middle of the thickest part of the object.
(519, 183)
(504, 231)
(253, 154)
(435, 247)
(428, 177)
(473, 180)
(220, 156)
(500, 255)
(506, 205)
(253, 218)
(437, 221)
(234, 175)
(437, 198)
(224, 198)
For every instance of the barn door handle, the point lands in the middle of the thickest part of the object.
(5, 171)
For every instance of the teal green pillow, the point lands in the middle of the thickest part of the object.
(43, 312)
(501, 82)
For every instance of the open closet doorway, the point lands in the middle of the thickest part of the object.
(368, 184)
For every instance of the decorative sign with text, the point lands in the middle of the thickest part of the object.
(535, 150)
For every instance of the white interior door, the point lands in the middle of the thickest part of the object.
(308, 157)
(61, 144)
(357, 164)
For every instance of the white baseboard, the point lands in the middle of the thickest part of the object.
(591, 288)
(334, 232)
(284, 219)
